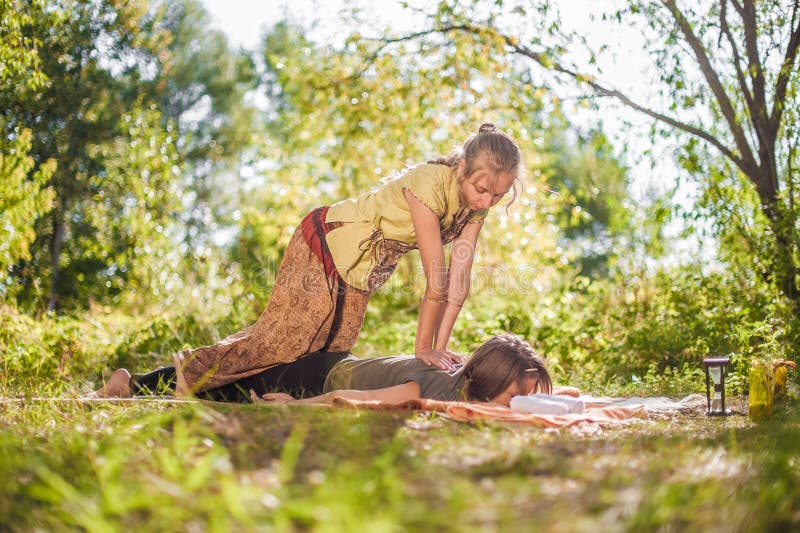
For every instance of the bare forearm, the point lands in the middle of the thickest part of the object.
(430, 310)
(458, 282)
(396, 394)
(445, 327)
(329, 397)
(458, 290)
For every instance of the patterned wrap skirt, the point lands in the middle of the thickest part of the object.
(310, 309)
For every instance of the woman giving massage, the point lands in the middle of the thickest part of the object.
(341, 253)
(503, 367)
(336, 258)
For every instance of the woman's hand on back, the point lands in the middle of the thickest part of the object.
(443, 359)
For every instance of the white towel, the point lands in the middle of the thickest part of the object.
(575, 405)
(538, 406)
(652, 404)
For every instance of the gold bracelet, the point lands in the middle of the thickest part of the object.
(454, 302)
(433, 300)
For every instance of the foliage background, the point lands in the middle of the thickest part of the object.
(151, 175)
(144, 186)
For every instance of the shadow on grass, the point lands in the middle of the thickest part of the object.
(254, 435)
(250, 468)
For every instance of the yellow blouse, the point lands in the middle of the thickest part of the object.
(376, 227)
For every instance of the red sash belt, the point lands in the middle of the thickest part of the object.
(314, 229)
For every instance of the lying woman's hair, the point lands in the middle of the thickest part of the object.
(501, 361)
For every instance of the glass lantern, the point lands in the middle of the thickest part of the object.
(715, 384)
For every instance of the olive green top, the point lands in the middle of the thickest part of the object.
(352, 373)
(377, 229)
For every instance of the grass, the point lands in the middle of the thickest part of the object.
(215, 467)
(168, 466)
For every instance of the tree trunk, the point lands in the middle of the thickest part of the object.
(781, 222)
(56, 245)
(786, 269)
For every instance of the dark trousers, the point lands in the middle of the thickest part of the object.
(302, 378)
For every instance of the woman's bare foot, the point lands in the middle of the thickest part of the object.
(182, 389)
(117, 386)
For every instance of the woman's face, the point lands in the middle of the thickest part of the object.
(481, 190)
(504, 398)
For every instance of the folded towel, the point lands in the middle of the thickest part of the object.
(538, 406)
(575, 405)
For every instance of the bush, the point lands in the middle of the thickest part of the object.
(623, 336)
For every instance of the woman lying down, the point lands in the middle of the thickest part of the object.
(503, 367)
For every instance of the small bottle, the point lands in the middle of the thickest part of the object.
(781, 369)
(781, 375)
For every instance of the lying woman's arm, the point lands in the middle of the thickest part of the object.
(564, 390)
(397, 394)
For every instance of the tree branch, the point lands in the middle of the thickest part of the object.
(625, 100)
(751, 42)
(756, 109)
(549, 63)
(781, 83)
(384, 42)
(738, 7)
(747, 165)
(737, 60)
(716, 87)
